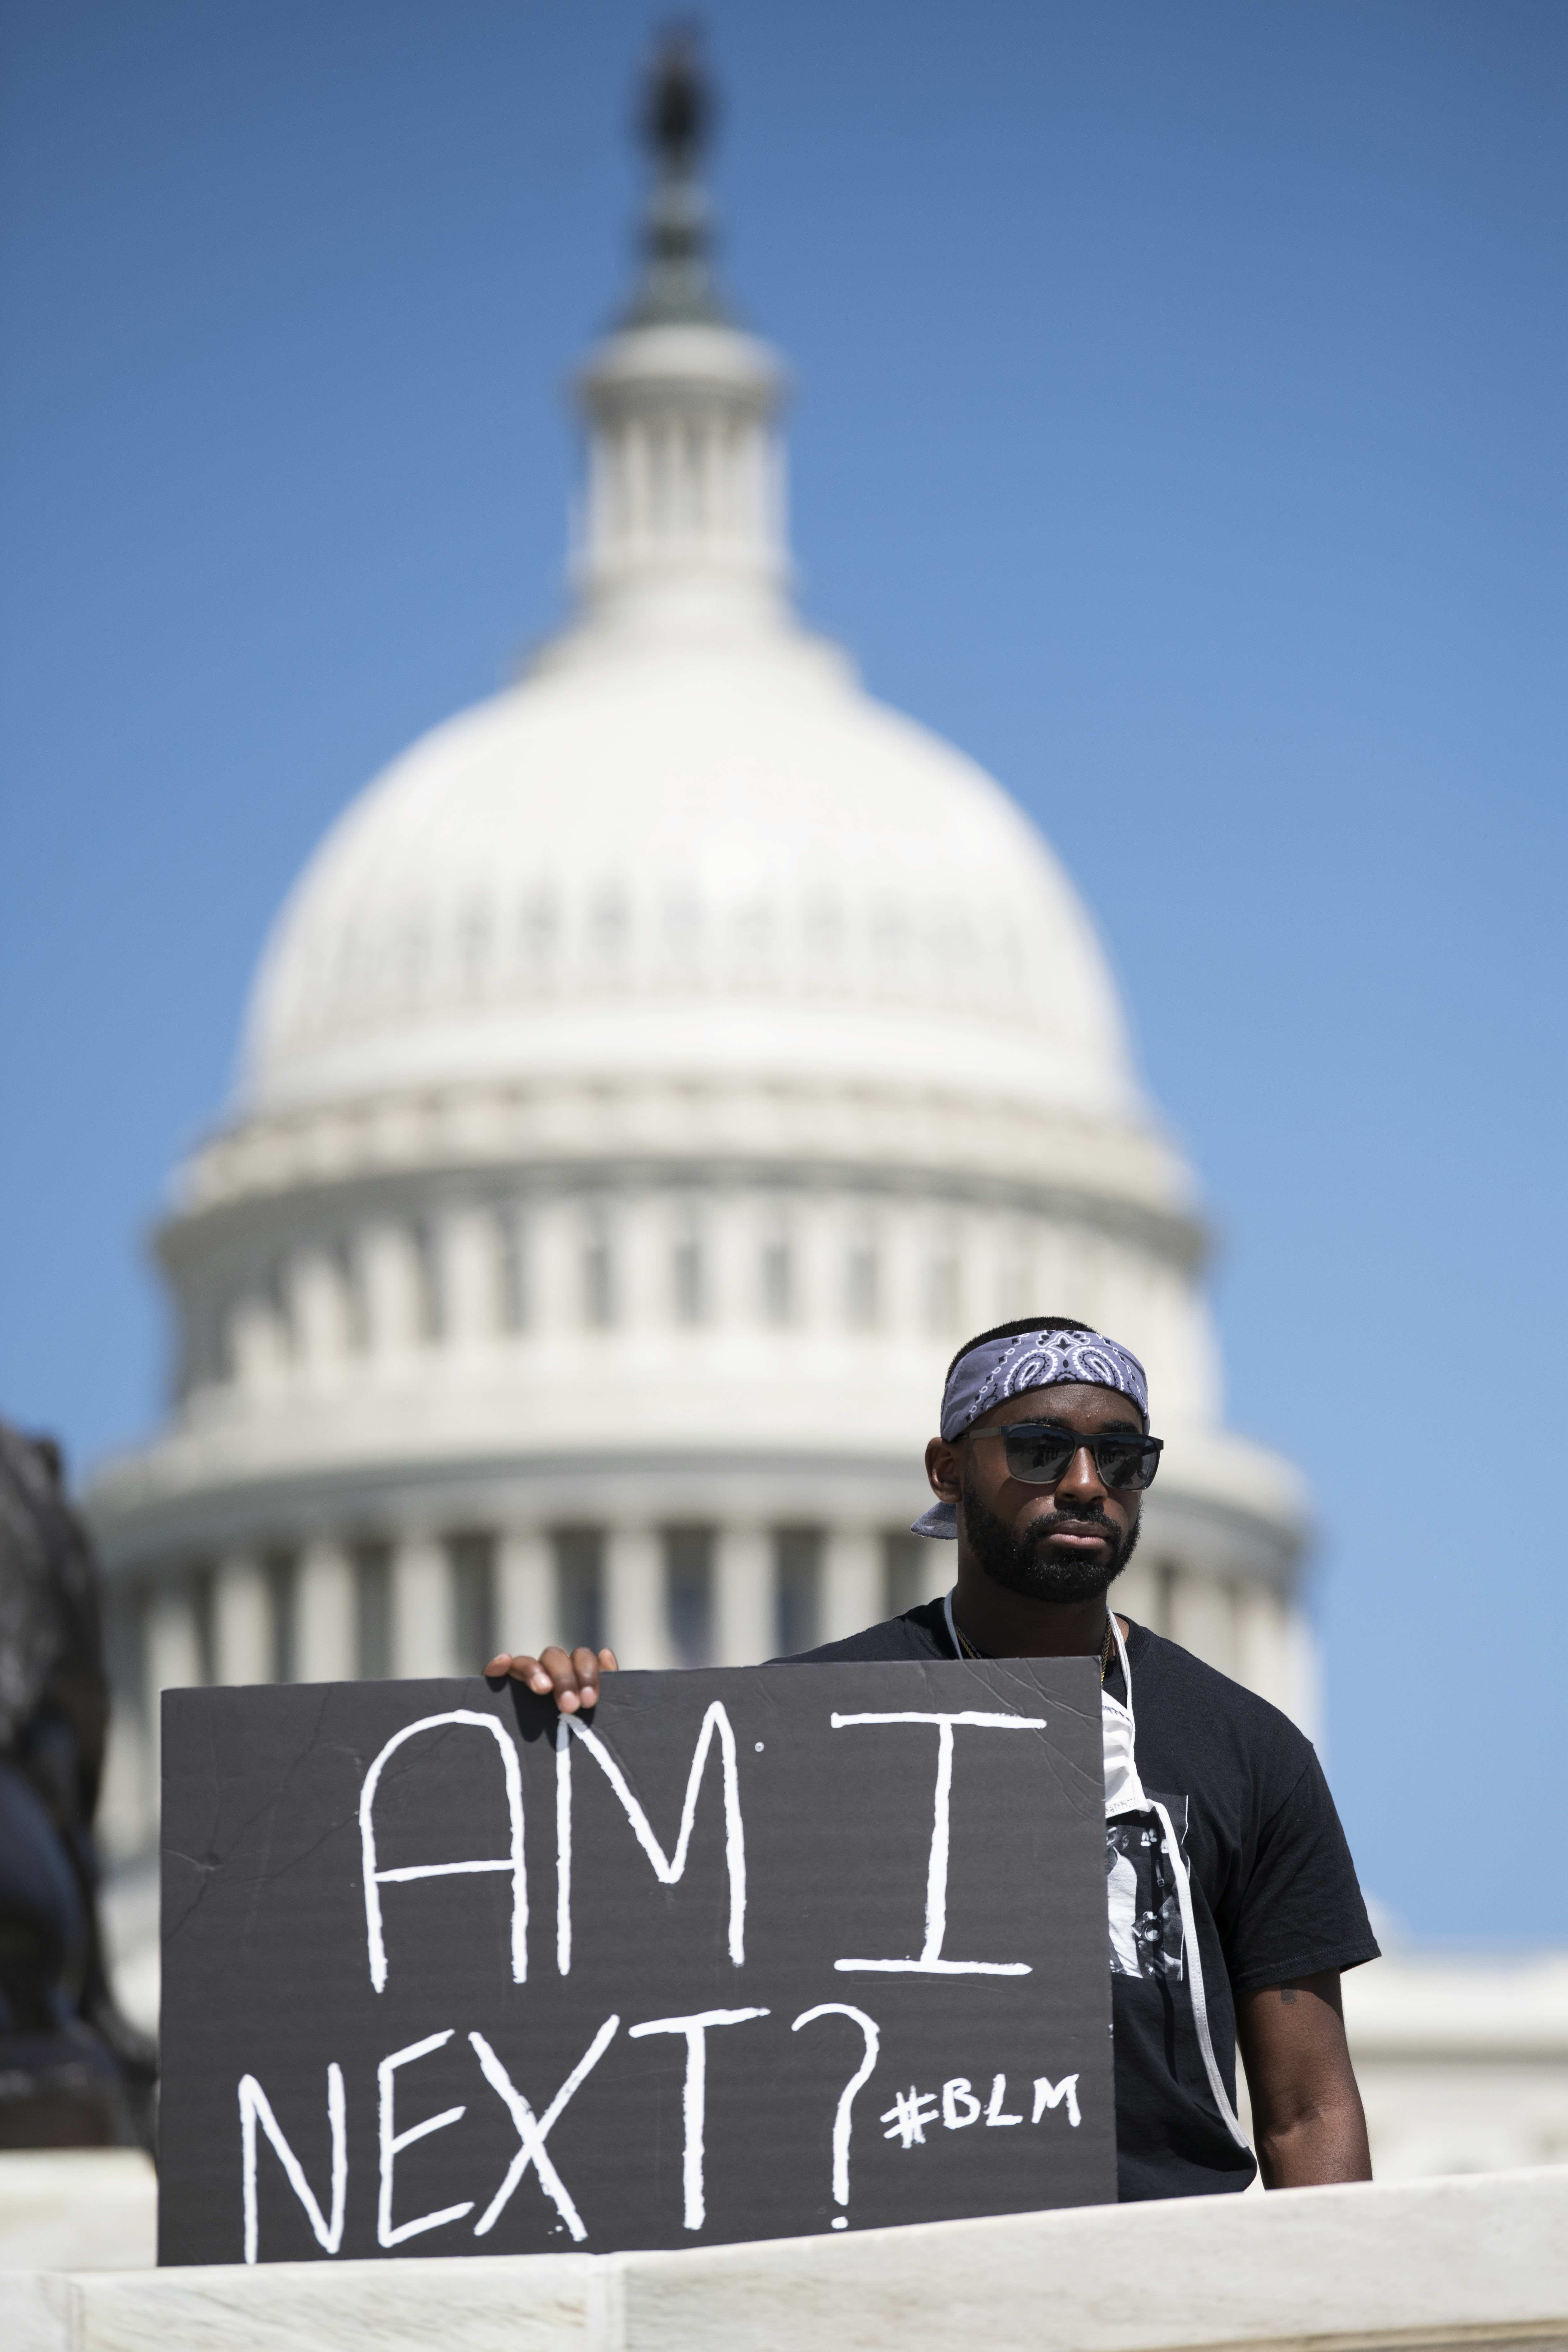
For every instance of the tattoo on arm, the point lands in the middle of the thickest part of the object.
(1288, 1992)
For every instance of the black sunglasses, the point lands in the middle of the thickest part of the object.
(1037, 1453)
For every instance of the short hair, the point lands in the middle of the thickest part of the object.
(1014, 1331)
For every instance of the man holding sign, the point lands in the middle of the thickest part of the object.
(1232, 1903)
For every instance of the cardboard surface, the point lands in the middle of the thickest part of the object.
(440, 1977)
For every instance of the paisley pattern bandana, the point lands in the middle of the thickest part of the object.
(997, 1368)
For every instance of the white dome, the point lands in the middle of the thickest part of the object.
(688, 860)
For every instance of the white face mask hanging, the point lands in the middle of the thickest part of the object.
(1124, 1795)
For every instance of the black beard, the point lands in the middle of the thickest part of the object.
(1011, 1556)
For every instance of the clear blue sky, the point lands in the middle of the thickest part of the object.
(1179, 429)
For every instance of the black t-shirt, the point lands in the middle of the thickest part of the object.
(1274, 1892)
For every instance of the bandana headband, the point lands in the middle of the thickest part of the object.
(995, 1368)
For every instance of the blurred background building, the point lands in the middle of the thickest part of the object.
(652, 1077)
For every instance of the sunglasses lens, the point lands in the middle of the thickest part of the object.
(1124, 1462)
(1038, 1457)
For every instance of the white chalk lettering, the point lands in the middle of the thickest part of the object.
(255, 2107)
(694, 2103)
(375, 1879)
(993, 2114)
(563, 1846)
(844, 2114)
(533, 2131)
(393, 2142)
(908, 2116)
(667, 1868)
(931, 1962)
(960, 2108)
(1052, 2094)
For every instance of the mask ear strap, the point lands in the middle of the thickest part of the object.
(1126, 1669)
(1195, 1975)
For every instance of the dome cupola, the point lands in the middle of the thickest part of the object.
(686, 849)
(684, 507)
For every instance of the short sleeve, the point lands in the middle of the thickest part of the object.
(1300, 1909)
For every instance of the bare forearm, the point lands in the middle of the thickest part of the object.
(1321, 2144)
(1306, 2109)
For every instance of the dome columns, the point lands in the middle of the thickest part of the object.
(853, 1582)
(1267, 1652)
(636, 1624)
(684, 515)
(391, 1265)
(175, 1653)
(745, 1614)
(422, 1643)
(525, 1584)
(242, 1622)
(320, 1309)
(256, 1350)
(477, 1277)
(471, 1244)
(326, 1627)
(559, 1234)
(724, 1561)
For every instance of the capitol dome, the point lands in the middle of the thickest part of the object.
(695, 859)
(651, 1079)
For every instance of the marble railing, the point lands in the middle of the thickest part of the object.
(1473, 2263)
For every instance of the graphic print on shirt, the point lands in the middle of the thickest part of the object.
(1146, 1915)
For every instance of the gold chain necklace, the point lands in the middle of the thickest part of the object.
(969, 1651)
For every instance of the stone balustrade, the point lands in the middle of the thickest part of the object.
(1475, 2262)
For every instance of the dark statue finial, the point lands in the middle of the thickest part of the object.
(677, 115)
(677, 120)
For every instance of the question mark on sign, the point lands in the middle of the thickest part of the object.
(844, 2114)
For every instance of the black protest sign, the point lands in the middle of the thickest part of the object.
(746, 1954)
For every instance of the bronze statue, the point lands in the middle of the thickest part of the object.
(73, 2072)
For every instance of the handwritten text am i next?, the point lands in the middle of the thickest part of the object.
(446, 1972)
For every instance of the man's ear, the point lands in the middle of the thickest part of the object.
(941, 1470)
